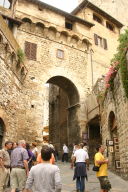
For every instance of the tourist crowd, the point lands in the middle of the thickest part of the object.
(23, 168)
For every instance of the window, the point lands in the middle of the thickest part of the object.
(97, 18)
(60, 53)
(5, 4)
(30, 50)
(101, 42)
(109, 26)
(68, 25)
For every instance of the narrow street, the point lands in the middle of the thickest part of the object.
(92, 185)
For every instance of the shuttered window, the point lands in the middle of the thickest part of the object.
(30, 50)
(105, 43)
(101, 42)
(96, 39)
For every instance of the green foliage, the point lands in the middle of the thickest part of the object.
(20, 55)
(120, 57)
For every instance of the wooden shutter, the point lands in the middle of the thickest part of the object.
(27, 49)
(30, 50)
(33, 51)
(105, 43)
(96, 39)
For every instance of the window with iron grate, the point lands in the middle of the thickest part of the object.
(30, 50)
(60, 54)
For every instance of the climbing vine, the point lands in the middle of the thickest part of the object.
(119, 62)
(20, 55)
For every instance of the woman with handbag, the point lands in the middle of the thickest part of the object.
(101, 173)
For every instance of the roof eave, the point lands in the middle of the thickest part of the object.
(100, 11)
(67, 15)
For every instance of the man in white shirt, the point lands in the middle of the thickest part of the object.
(81, 159)
(65, 153)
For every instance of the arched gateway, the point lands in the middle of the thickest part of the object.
(63, 111)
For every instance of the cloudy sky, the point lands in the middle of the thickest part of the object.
(66, 5)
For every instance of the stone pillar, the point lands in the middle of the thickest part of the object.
(73, 125)
(58, 35)
(69, 39)
(46, 32)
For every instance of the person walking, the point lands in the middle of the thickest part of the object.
(31, 156)
(5, 166)
(81, 160)
(40, 160)
(102, 174)
(44, 177)
(19, 165)
(65, 153)
(34, 150)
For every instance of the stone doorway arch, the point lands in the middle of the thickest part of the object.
(2, 128)
(112, 125)
(63, 112)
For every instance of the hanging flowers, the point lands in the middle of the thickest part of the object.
(109, 77)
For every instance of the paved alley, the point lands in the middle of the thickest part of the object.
(118, 184)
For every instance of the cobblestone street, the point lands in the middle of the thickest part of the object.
(118, 184)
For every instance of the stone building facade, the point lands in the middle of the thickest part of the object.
(113, 121)
(12, 75)
(115, 8)
(61, 49)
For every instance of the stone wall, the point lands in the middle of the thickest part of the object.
(44, 26)
(114, 122)
(58, 109)
(99, 57)
(12, 75)
(113, 7)
(47, 65)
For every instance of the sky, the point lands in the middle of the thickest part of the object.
(66, 5)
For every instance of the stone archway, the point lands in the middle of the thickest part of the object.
(2, 128)
(63, 109)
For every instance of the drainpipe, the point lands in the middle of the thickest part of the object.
(91, 52)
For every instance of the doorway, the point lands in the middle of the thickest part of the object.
(63, 112)
(94, 135)
(115, 157)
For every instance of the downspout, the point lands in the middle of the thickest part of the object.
(91, 52)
